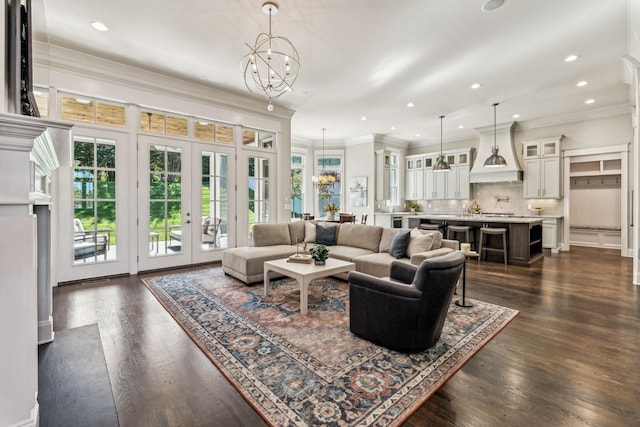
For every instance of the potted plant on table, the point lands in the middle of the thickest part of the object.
(331, 210)
(319, 253)
(413, 206)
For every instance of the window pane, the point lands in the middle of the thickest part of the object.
(174, 161)
(174, 187)
(106, 185)
(152, 122)
(249, 138)
(111, 115)
(157, 215)
(106, 155)
(83, 184)
(203, 130)
(83, 154)
(177, 126)
(224, 134)
(156, 159)
(77, 109)
(156, 186)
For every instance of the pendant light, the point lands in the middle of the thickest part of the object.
(495, 160)
(441, 164)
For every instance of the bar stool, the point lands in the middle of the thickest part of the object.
(430, 227)
(488, 231)
(453, 230)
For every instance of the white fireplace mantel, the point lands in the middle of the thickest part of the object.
(27, 159)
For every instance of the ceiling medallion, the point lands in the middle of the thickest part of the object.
(272, 64)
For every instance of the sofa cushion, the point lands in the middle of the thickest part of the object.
(399, 244)
(250, 260)
(376, 264)
(387, 237)
(417, 258)
(347, 253)
(437, 237)
(326, 234)
(360, 236)
(419, 243)
(271, 234)
(309, 232)
(296, 232)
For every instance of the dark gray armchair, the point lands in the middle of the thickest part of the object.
(406, 311)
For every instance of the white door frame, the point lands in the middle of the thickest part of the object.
(66, 268)
(150, 257)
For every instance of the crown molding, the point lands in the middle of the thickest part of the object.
(591, 114)
(67, 60)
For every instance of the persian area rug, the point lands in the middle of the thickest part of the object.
(311, 370)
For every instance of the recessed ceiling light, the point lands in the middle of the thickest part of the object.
(363, 118)
(461, 127)
(516, 116)
(417, 135)
(475, 86)
(393, 128)
(571, 58)
(410, 104)
(582, 83)
(492, 5)
(589, 101)
(99, 26)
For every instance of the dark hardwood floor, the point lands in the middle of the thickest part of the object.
(571, 358)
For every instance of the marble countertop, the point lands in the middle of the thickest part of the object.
(465, 217)
(512, 219)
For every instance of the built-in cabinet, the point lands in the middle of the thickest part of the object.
(421, 182)
(551, 232)
(542, 168)
(383, 175)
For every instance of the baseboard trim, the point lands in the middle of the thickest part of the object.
(45, 331)
(34, 419)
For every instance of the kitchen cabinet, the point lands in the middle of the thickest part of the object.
(453, 184)
(551, 228)
(414, 178)
(542, 168)
(383, 175)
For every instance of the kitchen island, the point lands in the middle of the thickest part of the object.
(524, 235)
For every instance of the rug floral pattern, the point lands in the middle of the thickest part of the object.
(311, 370)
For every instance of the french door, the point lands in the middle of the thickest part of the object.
(183, 202)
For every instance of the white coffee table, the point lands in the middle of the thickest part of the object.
(304, 274)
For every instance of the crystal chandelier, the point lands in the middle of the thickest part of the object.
(272, 64)
(324, 182)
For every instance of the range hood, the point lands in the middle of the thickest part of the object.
(504, 141)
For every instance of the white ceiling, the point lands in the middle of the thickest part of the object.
(371, 57)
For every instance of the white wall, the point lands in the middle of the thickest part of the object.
(359, 161)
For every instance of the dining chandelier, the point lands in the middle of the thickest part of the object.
(272, 64)
(324, 181)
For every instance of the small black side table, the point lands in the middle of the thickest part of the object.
(468, 255)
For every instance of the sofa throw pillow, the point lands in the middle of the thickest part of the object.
(437, 237)
(309, 232)
(399, 244)
(419, 243)
(326, 234)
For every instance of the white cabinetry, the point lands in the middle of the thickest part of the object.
(453, 184)
(551, 228)
(542, 168)
(414, 178)
(383, 175)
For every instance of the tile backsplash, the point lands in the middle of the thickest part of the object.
(505, 197)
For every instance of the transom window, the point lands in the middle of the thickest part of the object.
(88, 110)
(217, 132)
(157, 122)
(260, 139)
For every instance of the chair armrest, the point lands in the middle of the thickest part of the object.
(402, 272)
(381, 285)
(453, 244)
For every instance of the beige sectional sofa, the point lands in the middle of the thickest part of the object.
(365, 245)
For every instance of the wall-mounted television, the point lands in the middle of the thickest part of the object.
(20, 70)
